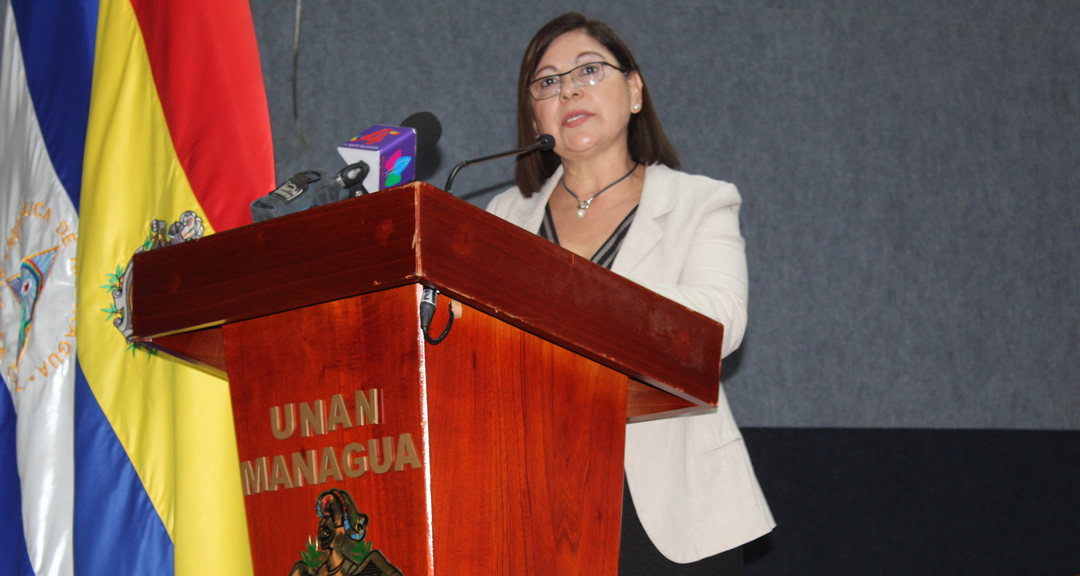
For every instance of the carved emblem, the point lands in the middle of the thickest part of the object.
(341, 547)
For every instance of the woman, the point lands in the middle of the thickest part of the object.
(610, 192)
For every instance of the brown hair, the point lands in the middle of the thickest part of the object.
(646, 138)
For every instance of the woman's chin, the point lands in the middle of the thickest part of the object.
(577, 147)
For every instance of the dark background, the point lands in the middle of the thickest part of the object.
(909, 383)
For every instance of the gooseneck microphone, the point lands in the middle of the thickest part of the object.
(543, 143)
(430, 297)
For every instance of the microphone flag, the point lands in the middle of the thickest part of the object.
(390, 151)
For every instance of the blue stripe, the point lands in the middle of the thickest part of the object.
(12, 540)
(117, 529)
(57, 38)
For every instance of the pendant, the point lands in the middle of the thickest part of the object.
(583, 206)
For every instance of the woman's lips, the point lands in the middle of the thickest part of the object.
(576, 118)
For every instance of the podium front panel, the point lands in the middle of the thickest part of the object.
(495, 452)
(328, 404)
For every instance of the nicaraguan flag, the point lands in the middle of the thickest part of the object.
(127, 125)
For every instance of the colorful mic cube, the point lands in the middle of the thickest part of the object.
(390, 153)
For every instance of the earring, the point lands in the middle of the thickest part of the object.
(637, 107)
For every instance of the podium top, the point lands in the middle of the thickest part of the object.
(417, 233)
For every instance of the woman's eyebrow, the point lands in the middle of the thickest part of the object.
(590, 57)
(583, 57)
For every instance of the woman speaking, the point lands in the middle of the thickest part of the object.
(610, 191)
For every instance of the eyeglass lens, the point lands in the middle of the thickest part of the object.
(585, 75)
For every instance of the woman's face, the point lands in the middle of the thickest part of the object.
(591, 120)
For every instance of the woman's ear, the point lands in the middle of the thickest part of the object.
(633, 80)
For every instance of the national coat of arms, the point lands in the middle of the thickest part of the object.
(188, 227)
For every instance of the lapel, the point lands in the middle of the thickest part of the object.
(645, 232)
(530, 213)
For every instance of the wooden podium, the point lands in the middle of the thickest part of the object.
(498, 451)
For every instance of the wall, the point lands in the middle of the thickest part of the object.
(910, 173)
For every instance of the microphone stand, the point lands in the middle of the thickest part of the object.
(543, 143)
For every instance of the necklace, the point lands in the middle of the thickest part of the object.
(583, 206)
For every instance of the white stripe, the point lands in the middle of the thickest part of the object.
(35, 215)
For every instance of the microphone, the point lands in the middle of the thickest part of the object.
(430, 297)
(428, 131)
(312, 188)
(543, 143)
(304, 190)
(393, 152)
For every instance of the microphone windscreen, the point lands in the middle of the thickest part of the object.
(428, 129)
(546, 142)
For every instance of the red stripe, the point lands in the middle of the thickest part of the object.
(206, 68)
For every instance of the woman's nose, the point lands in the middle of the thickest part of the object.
(569, 89)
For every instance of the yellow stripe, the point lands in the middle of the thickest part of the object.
(175, 422)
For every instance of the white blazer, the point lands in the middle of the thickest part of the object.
(691, 479)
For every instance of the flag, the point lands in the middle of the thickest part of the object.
(44, 98)
(149, 119)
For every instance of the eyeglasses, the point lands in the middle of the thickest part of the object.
(585, 75)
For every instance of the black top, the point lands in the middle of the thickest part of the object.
(605, 256)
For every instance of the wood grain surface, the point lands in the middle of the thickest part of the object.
(416, 233)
